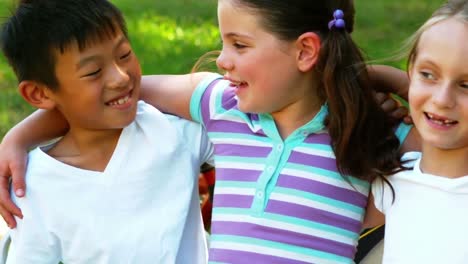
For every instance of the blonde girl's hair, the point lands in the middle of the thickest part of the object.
(451, 9)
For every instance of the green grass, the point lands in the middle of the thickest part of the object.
(169, 36)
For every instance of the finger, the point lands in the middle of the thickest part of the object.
(9, 218)
(408, 120)
(380, 97)
(389, 105)
(4, 172)
(399, 113)
(7, 204)
(17, 174)
(5, 199)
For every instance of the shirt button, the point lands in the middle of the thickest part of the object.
(305, 134)
(259, 194)
(279, 147)
(270, 169)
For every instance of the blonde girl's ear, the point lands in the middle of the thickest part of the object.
(36, 94)
(308, 49)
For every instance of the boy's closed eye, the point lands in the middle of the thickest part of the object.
(91, 74)
(464, 85)
(126, 55)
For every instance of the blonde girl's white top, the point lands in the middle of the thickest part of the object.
(144, 207)
(428, 220)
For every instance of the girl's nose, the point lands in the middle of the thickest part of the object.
(223, 61)
(444, 96)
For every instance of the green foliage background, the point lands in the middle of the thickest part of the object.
(169, 35)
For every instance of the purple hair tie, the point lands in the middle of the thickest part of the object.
(337, 21)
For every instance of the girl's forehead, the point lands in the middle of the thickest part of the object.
(444, 44)
(235, 17)
(454, 26)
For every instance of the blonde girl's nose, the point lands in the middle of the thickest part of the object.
(444, 96)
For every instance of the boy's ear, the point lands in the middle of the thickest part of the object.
(308, 48)
(36, 94)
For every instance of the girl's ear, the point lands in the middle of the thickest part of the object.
(36, 94)
(308, 48)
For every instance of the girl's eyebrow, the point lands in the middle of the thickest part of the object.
(426, 61)
(238, 35)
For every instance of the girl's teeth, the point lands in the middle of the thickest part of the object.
(445, 122)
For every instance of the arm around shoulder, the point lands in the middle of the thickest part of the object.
(389, 79)
(373, 216)
(412, 142)
(171, 93)
(38, 127)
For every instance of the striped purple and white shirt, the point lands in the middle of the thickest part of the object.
(276, 201)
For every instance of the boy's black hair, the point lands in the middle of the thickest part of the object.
(38, 29)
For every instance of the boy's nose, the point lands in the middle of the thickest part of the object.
(118, 77)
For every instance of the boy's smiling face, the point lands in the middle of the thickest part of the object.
(98, 87)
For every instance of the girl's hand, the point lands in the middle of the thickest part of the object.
(393, 108)
(13, 161)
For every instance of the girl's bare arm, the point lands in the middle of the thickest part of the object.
(171, 93)
(40, 126)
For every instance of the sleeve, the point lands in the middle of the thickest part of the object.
(206, 148)
(402, 131)
(201, 147)
(199, 102)
(383, 195)
(30, 241)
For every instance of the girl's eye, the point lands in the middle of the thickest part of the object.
(92, 73)
(427, 75)
(238, 45)
(464, 85)
(126, 55)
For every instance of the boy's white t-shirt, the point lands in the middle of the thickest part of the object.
(428, 220)
(144, 208)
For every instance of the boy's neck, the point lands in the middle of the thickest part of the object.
(444, 163)
(89, 150)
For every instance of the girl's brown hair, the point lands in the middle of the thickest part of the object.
(362, 136)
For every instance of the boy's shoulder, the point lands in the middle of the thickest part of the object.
(147, 113)
(169, 129)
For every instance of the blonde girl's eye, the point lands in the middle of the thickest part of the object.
(427, 75)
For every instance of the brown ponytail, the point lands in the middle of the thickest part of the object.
(362, 137)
